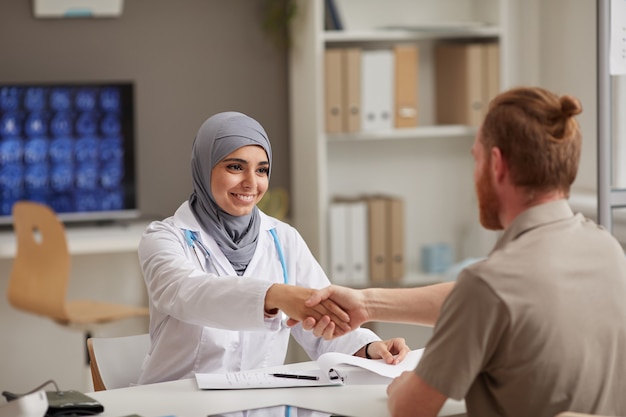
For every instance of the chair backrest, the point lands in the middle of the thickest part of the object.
(41, 269)
(575, 414)
(116, 362)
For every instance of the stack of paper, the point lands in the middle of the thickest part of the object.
(334, 369)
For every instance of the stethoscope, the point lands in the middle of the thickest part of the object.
(192, 240)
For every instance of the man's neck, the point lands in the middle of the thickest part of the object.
(520, 202)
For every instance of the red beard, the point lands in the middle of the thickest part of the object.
(488, 201)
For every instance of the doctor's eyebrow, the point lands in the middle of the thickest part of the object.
(243, 161)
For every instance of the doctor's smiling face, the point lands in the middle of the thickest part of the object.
(239, 181)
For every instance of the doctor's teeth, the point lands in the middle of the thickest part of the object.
(245, 197)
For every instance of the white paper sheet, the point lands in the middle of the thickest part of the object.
(378, 366)
(257, 379)
(351, 370)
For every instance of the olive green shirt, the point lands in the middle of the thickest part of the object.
(538, 327)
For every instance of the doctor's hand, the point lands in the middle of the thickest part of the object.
(291, 300)
(393, 351)
(350, 300)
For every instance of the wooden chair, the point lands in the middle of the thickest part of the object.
(575, 414)
(116, 361)
(41, 271)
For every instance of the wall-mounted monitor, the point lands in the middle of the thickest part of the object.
(70, 146)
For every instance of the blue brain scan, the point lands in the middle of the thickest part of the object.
(110, 100)
(86, 150)
(112, 175)
(9, 98)
(111, 149)
(86, 177)
(11, 180)
(35, 98)
(110, 125)
(87, 201)
(11, 150)
(86, 99)
(61, 99)
(36, 150)
(61, 124)
(36, 124)
(113, 199)
(70, 146)
(11, 124)
(36, 178)
(61, 150)
(62, 178)
(87, 124)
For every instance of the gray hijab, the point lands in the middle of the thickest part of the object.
(219, 136)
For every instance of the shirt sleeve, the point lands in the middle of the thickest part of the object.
(177, 287)
(471, 324)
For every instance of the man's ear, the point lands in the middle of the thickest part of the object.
(498, 166)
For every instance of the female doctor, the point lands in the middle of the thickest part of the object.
(222, 276)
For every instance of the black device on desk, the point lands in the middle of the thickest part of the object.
(60, 403)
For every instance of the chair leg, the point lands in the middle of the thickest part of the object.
(87, 336)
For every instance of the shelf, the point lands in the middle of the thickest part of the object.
(89, 240)
(447, 131)
(427, 164)
(406, 34)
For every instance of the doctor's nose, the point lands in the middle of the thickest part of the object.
(249, 180)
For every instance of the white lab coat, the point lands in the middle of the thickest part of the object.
(214, 321)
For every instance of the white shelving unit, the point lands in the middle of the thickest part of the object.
(430, 166)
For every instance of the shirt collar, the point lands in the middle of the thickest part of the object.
(534, 217)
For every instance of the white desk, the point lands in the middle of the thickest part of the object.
(184, 399)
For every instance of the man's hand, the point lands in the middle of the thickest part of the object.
(409, 396)
(351, 301)
(291, 300)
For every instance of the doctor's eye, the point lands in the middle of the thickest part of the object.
(263, 171)
(234, 167)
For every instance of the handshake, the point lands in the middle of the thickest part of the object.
(330, 312)
(335, 310)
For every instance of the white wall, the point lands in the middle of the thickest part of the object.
(567, 65)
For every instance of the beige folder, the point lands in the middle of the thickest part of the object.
(332, 90)
(351, 81)
(395, 239)
(492, 66)
(377, 225)
(406, 85)
(462, 82)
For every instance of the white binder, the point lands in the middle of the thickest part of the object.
(358, 249)
(377, 85)
(338, 235)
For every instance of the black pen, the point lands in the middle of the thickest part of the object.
(293, 376)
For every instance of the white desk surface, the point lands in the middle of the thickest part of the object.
(184, 399)
(82, 240)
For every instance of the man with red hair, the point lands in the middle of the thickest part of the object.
(539, 326)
